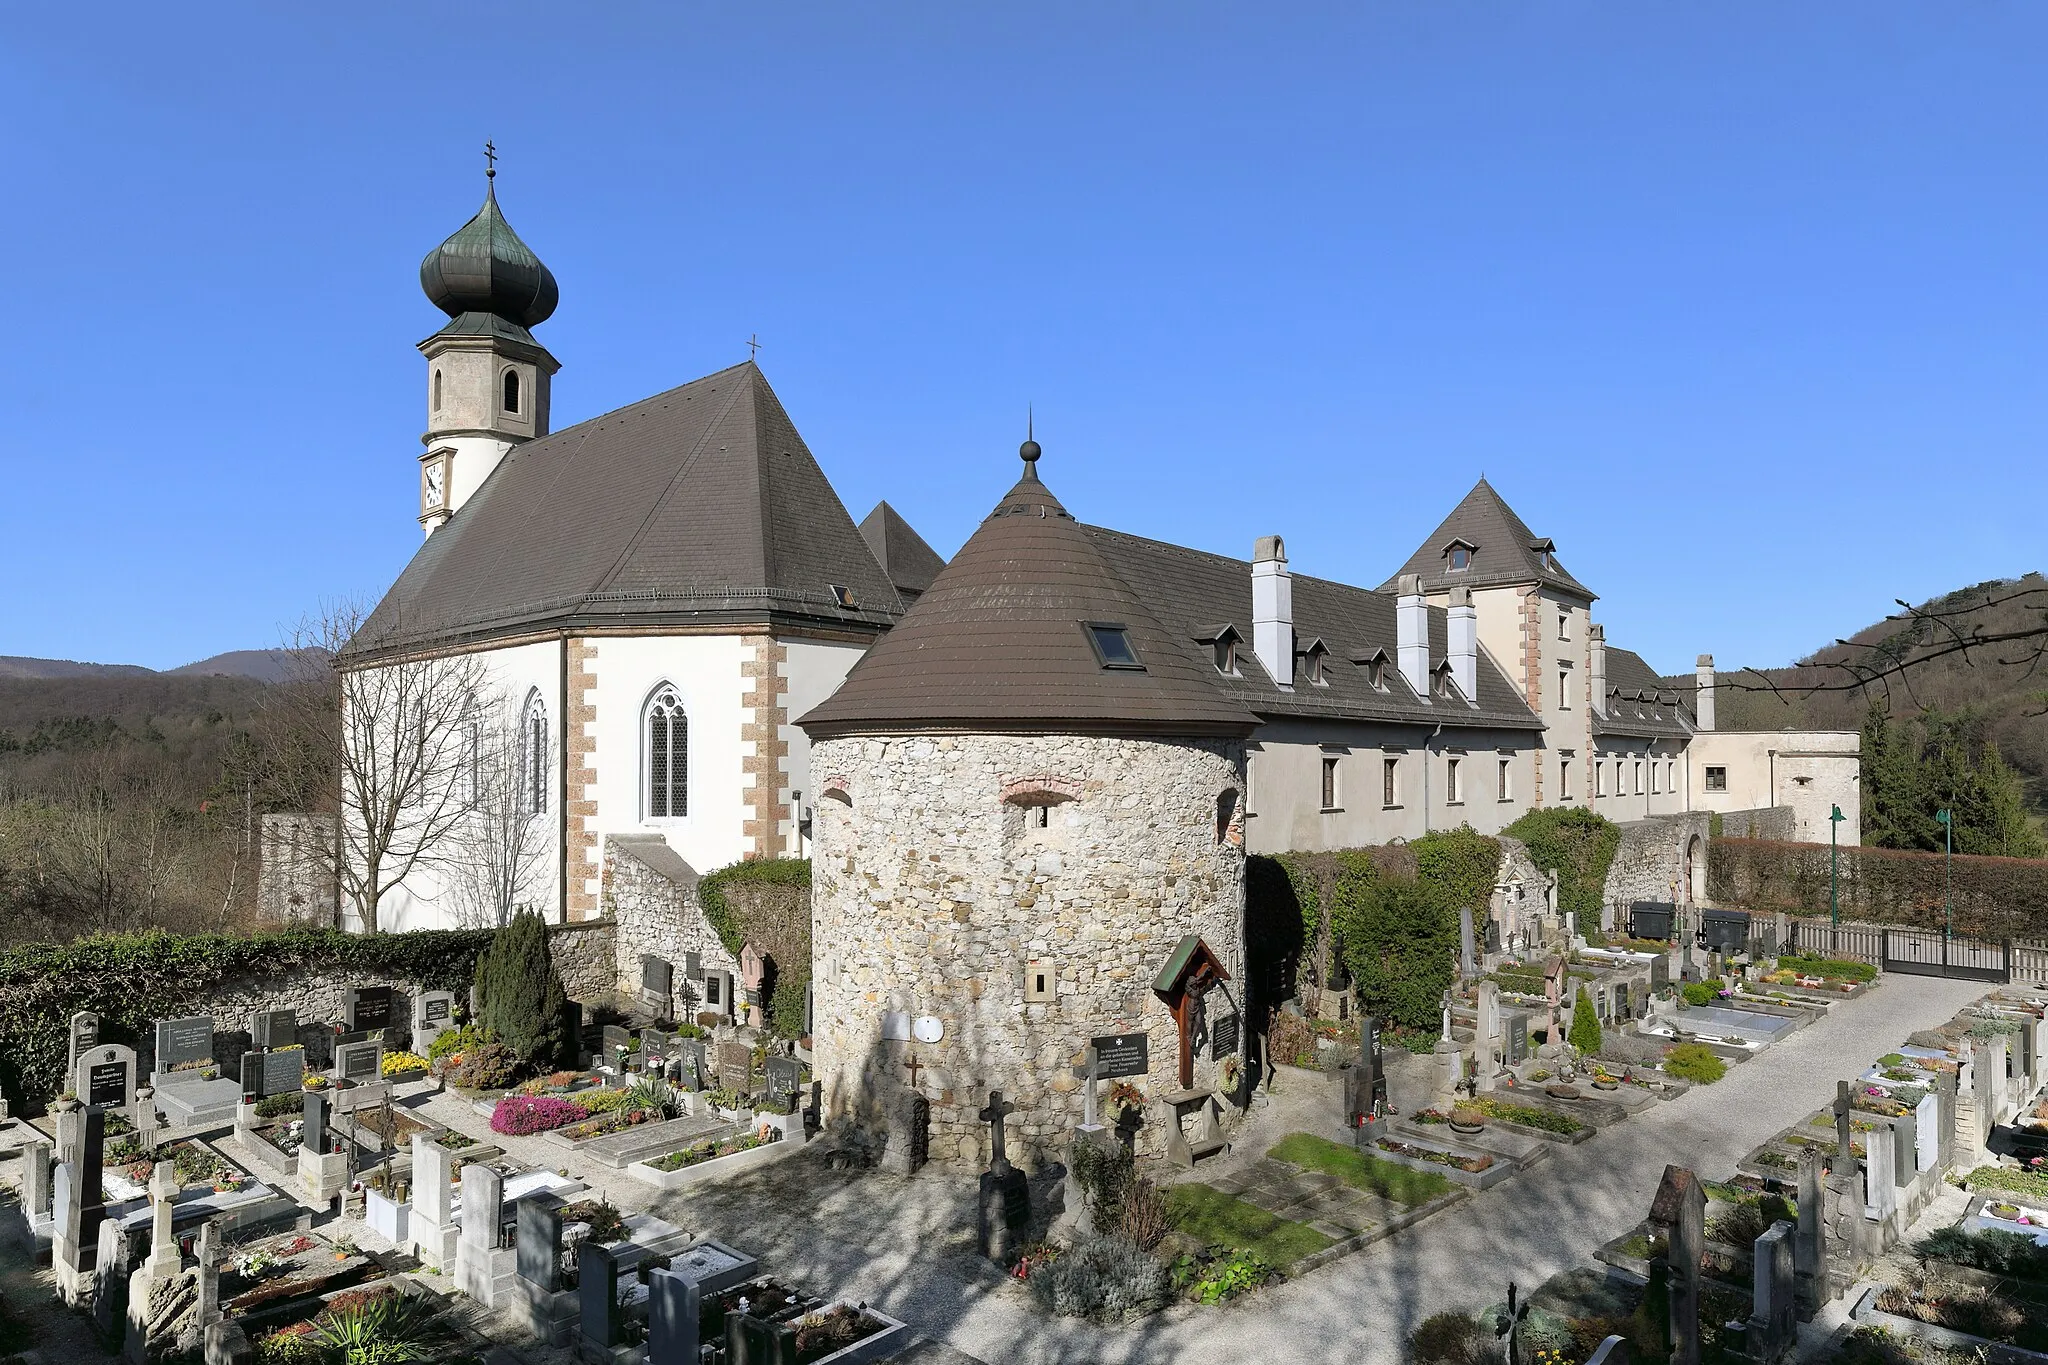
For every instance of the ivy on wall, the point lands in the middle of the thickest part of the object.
(132, 980)
(1576, 844)
(766, 902)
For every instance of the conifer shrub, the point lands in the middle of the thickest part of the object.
(1695, 1062)
(1585, 1031)
(522, 999)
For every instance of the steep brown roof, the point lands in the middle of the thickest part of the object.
(701, 503)
(1639, 703)
(1000, 642)
(1504, 550)
(910, 563)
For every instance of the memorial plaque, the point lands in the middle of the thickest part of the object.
(183, 1041)
(107, 1085)
(360, 1061)
(896, 1026)
(693, 966)
(437, 1008)
(1122, 1054)
(736, 1067)
(1223, 1035)
(655, 974)
(371, 1008)
(273, 1073)
(784, 1076)
(270, 1029)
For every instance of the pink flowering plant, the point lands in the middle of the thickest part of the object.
(523, 1115)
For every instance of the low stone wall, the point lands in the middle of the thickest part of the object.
(1652, 864)
(1769, 822)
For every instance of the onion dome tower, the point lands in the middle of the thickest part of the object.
(488, 380)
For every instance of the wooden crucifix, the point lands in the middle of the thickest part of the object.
(913, 1066)
(1189, 974)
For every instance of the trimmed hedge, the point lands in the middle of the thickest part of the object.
(132, 980)
(1994, 897)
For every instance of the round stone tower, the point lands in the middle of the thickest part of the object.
(1028, 836)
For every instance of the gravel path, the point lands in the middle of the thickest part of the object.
(907, 1245)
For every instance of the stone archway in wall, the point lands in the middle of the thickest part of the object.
(1695, 869)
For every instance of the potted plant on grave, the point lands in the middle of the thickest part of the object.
(66, 1102)
(1466, 1118)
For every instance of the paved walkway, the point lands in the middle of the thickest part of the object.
(907, 1245)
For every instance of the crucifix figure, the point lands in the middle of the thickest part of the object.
(1088, 1073)
(913, 1066)
(999, 1160)
(1842, 1107)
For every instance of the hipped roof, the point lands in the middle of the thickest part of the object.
(1504, 550)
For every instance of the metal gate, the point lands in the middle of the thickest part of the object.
(1919, 952)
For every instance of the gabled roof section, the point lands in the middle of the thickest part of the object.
(1000, 641)
(698, 504)
(910, 563)
(1504, 550)
(1188, 589)
(1639, 704)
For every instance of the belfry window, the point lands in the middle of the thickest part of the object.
(668, 756)
(533, 757)
(512, 391)
(437, 390)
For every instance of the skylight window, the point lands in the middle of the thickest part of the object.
(1112, 645)
(843, 595)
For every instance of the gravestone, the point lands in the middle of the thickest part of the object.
(85, 1036)
(1679, 1214)
(273, 1073)
(1468, 961)
(362, 1062)
(313, 1126)
(1123, 1054)
(753, 973)
(105, 1076)
(597, 1289)
(784, 1077)
(206, 1246)
(736, 1068)
(1365, 1091)
(270, 1030)
(1005, 1195)
(183, 1044)
(657, 1047)
(114, 1265)
(79, 1208)
(1927, 1132)
(1880, 1179)
(483, 1210)
(1905, 1160)
(1809, 1264)
(1514, 1036)
(433, 1014)
(656, 976)
(674, 1303)
(371, 1008)
(694, 1066)
(35, 1181)
(755, 1341)
(432, 1226)
(1774, 1319)
(615, 1041)
(539, 1242)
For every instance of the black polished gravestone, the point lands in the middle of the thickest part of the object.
(372, 1008)
(1005, 1196)
(674, 1305)
(597, 1291)
(539, 1241)
(107, 1084)
(1122, 1054)
(313, 1132)
(273, 1073)
(784, 1079)
(270, 1030)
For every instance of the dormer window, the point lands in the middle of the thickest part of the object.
(1312, 663)
(1112, 643)
(1458, 555)
(1222, 642)
(1445, 688)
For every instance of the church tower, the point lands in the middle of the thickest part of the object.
(487, 378)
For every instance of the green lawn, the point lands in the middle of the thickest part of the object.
(1387, 1179)
(1214, 1218)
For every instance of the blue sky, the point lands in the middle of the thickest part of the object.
(1740, 303)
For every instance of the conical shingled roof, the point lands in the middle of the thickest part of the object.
(1504, 550)
(1000, 641)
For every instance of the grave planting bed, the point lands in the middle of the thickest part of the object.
(1210, 1217)
(282, 1279)
(815, 1332)
(711, 1158)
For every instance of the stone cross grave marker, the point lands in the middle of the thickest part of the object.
(1005, 1196)
(184, 1043)
(105, 1076)
(85, 1036)
(164, 1261)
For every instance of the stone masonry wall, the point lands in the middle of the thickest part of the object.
(1771, 822)
(657, 914)
(933, 887)
(584, 955)
(1650, 863)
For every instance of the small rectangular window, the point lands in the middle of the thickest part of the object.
(1564, 625)
(1451, 782)
(1507, 784)
(1564, 689)
(1599, 777)
(1656, 786)
(1112, 645)
(1329, 782)
(1564, 779)
(1390, 787)
(1671, 774)
(1717, 779)
(1638, 784)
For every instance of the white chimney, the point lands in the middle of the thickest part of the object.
(1703, 700)
(1411, 632)
(1273, 610)
(1596, 669)
(1464, 643)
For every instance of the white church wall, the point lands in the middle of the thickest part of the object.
(433, 896)
(812, 672)
(705, 671)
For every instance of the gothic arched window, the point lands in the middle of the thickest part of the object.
(533, 757)
(668, 756)
(437, 390)
(511, 390)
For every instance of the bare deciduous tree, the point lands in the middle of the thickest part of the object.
(495, 852)
(395, 734)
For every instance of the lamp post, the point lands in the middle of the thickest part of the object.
(1946, 819)
(1835, 818)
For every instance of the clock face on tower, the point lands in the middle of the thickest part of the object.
(433, 485)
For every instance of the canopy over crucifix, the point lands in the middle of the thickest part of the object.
(1186, 978)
